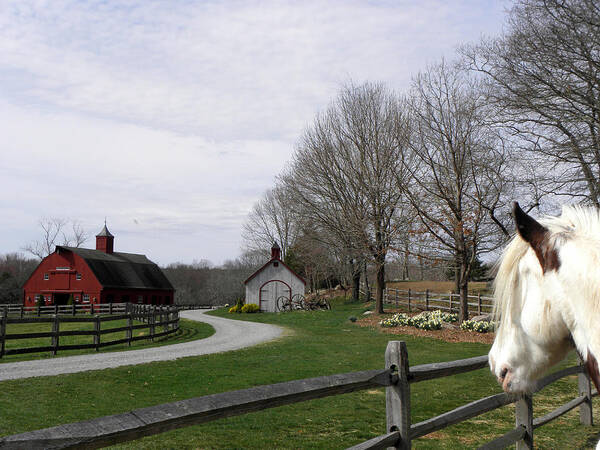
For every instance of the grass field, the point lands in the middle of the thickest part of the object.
(188, 331)
(319, 343)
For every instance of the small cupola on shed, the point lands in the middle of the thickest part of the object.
(275, 251)
(105, 240)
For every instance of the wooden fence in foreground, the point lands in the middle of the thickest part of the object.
(426, 301)
(153, 318)
(396, 377)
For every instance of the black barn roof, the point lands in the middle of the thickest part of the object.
(122, 270)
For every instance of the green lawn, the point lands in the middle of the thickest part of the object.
(319, 343)
(189, 330)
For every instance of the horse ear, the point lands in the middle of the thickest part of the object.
(536, 235)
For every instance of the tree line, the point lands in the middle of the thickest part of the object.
(428, 174)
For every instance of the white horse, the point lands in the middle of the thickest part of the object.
(547, 297)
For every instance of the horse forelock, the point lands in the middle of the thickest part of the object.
(506, 281)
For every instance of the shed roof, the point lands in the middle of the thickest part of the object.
(122, 270)
(267, 265)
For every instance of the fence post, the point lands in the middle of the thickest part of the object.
(152, 321)
(22, 311)
(585, 388)
(426, 299)
(55, 328)
(396, 291)
(450, 297)
(74, 309)
(129, 329)
(409, 300)
(3, 331)
(39, 309)
(110, 308)
(524, 418)
(479, 303)
(397, 397)
(97, 332)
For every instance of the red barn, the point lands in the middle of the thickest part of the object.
(97, 276)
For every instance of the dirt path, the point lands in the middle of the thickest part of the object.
(229, 335)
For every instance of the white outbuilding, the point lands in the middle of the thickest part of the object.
(272, 281)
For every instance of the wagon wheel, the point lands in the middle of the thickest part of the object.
(298, 301)
(284, 303)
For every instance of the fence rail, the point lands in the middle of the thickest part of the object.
(74, 309)
(396, 378)
(153, 318)
(426, 301)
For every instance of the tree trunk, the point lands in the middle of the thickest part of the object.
(457, 269)
(464, 289)
(380, 287)
(367, 287)
(405, 274)
(355, 281)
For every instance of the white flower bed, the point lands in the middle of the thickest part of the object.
(432, 320)
(480, 327)
(427, 320)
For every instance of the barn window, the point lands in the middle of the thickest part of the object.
(140, 299)
(78, 276)
(77, 298)
(86, 298)
(46, 276)
(276, 264)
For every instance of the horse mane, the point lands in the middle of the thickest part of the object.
(574, 222)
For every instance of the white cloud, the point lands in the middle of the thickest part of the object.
(180, 114)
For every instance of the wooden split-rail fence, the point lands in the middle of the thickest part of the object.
(427, 301)
(74, 309)
(158, 321)
(397, 377)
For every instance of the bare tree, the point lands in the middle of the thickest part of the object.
(345, 169)
(457, 182)
(54, 232)
(271, 220)
(321, 226)
(544, 73)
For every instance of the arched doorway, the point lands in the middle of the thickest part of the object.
(270, 292)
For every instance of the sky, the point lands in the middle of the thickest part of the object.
(172, 118)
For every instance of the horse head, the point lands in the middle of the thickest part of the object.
(547, 297)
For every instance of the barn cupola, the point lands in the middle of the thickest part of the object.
(105, 240)
(275, 251)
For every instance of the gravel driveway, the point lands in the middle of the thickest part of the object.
(229, 335)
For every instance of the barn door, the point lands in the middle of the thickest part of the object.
(270, 292)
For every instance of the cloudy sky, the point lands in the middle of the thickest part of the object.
(171, 118)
